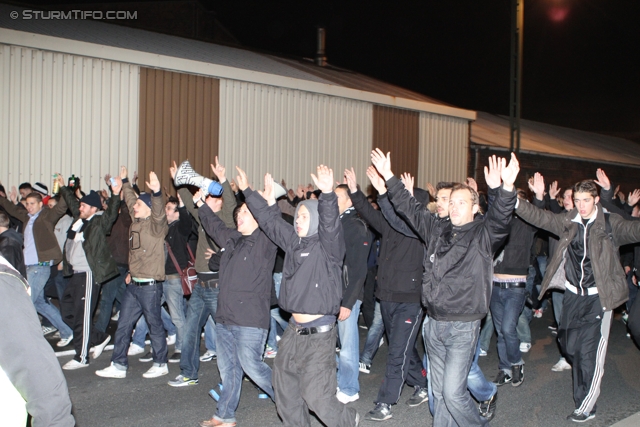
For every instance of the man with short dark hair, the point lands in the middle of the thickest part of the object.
(11, 245)
(24, 189)
(88, 261)
(456, 286)
(587, 265)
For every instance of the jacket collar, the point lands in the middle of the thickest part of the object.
(577, 218)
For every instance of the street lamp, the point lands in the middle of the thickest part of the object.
(517, 28)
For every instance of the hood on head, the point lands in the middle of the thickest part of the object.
(312, 207)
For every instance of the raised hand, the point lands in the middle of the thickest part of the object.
(61, 180)
(602, 179)
(510, 173)
(621, 196)
(135, 177)
(116, 186)
(13, 195)
(432, 190)
(173, 169)
(323, 179)
(300, 192)
(107, 179)
(219, 170)
(472, 183)
(407, 180)
(241, 179)
(234, 186)
(153, 184)
(537, 185)
(123, 172)
(376, 180)
(197, 198)
(267, 194)
(350, 177)
(554, 190)
(494, 171)
(634, 197)
(382, 163)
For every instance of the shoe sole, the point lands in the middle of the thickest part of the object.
(183, 384)
(378, 419)
(75, 367)
(208, 359)
(349, 399)
(154, 375)
(589, 418)
(413, 405)
(97, 350)
(110, 376)
(517, 384)
(145, 360)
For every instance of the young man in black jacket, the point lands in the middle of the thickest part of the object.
(243, 315)
(304, 376)
(456, 285)
(399, 288)
(357, 240)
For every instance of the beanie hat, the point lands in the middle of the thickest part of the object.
(92, 199)
(146, 198)
(41, 188)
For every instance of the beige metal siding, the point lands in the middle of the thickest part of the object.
(65, 113)
(444, 143)
(289, 132)
(397, 131)
(178, 121)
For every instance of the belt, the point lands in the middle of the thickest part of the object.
(313, 330)
(208, 284)
(41, 264)
(172, 276)
(589, 291)
(510, 285)
(142, 282)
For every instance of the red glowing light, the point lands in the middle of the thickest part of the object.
(558, 13)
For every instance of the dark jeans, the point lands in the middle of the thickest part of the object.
(402, 321)
(139, 300)
(77, 306)
(304, 378)
(369, 299)
(506, 306)
(203, 302)
(111, 291)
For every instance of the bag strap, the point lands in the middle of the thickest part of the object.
(193, 259)
(173, 258)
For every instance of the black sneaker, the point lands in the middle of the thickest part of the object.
(381, 412)
(517, 375)
(581, 417)
(487, 408)
(420, 395)
(147, 357)
(175, 357)
(502, 378)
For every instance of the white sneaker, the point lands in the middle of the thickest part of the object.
(98, 349)
(562, 365)
(135, 349)
(111, 372)
(46, 330)
(482, 353)
(171, 339)
(116, 316)
(73, 364)
(208, 356)
(344, 398)
(156, 370)
(64, 342)
(525, 347)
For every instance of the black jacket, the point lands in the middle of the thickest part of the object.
(400, 258)
(11, 243)
(515, 256)
(458, 261)
(312, 272)
(103, 266)
(246, 278)
(177, 236)
(357, 241)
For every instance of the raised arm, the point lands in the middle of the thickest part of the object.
(214, 226)
(498, 218)
(330, 230)
(229, 201)
(159, 226)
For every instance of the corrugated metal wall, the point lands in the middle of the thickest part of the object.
(444, 144)
(65, 113)
(397, 130)
(179, 117)
(289, 132)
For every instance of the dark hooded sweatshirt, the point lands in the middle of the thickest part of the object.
(11, 243)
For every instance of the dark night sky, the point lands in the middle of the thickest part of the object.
(581, 57)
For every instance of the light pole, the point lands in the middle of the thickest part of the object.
(517, 28)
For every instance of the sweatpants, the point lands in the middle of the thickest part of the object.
(583, 334)
(304, 378)
(402, 321)
(78, 303)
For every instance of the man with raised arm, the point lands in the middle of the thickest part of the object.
(304, 376)
(587, 265)
(146, 269)
(456, 286)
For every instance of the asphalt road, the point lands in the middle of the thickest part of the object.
(544, 399)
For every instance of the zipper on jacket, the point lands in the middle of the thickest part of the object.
(584, 256)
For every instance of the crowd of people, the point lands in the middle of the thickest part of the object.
(287, 274)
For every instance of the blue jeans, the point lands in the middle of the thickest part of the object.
(506, 306)
(174, 295)
(142, 329)
(203, 302)
(110, 291)
(348, 361)
(486, 332)
(480, 388)
(210, 334)
(37, 276)
(375, 333)
(451, 348)
(276, 318)
(138, 301)
(240, 349)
